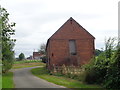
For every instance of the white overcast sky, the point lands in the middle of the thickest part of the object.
(37, 20)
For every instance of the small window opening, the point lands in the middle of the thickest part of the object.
(72, 47)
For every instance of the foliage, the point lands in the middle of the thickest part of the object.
(96, 70)
(42, 48)
(21, 56)
(109, 47)
(105, 69)
(44, 59)
(112, 78)
(98, 52)
(7, 43)
(43, 51)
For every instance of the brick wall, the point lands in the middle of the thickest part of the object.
(58, 45)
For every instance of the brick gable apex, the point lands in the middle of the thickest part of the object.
(70, 23)
(73, 25)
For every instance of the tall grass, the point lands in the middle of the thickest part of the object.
(74, 72)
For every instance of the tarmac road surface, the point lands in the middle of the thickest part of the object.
(24, 79)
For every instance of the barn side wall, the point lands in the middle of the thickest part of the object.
(59, 52)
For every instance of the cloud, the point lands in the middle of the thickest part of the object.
(37, 20)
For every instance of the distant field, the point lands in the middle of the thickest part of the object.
(27, 63)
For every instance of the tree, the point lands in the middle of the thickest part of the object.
(42, 48)
(7, 43)
(21, 56)
(98, 52)
(43, 51)
(110, 47)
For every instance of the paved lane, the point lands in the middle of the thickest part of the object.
(24, 79)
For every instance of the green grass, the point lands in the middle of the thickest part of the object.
(0, 74)
(7, 80)
(60, 80)
(0, 81)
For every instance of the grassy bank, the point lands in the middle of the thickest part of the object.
(7, 80)
(60, 80)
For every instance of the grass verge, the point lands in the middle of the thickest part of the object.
(7, 80)
(0, 75)
(60, 80)
(0, 81)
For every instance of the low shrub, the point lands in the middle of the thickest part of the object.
(105, 69)
(44, 59)
(112, 78)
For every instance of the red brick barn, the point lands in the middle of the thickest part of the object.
(71, 44)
